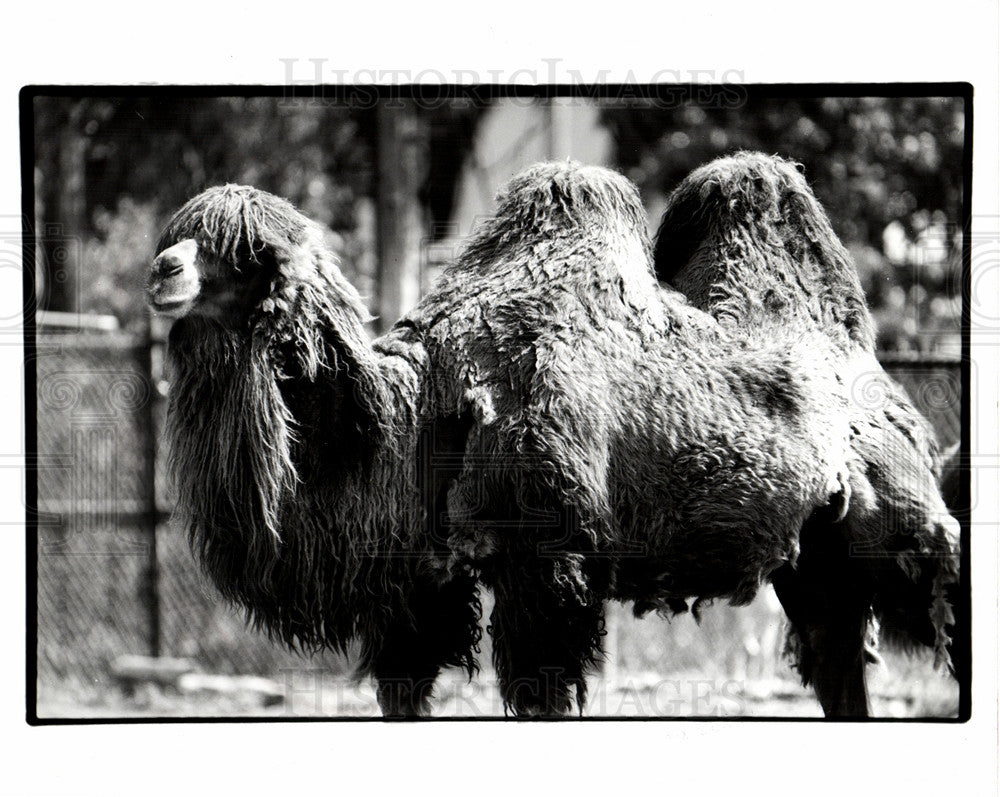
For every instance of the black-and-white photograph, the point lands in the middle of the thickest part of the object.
(643, 401)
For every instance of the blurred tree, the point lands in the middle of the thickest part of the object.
(402, 218)
(888, 170)
(451, 132)
(100, 160)
(880, 166)
(61, 151)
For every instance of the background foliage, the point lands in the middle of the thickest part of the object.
(888, 170)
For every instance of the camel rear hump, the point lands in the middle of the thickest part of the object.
(746, 239)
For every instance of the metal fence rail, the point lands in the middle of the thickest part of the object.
(115, 575)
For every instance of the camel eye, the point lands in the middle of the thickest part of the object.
(249, 263)
(212, 269)
(264, 259)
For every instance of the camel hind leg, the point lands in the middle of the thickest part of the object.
(908, 544)
(828, 635)
(894, 556)
(828, 599)
(919, 600)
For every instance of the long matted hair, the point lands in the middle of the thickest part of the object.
(746, 240)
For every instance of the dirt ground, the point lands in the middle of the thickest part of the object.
(309, 693)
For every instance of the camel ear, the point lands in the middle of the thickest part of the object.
(298, 258)
(312, 307)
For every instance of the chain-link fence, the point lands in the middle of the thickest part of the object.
(115, 575)
(934, 384)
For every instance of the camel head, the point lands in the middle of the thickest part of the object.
(220, 253)
(239, 258)
(267, 350)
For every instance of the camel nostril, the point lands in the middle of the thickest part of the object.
(169, 266)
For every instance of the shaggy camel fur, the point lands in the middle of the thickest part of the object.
(746, 240)
(594, 437)
(294, 445)
(623, 445)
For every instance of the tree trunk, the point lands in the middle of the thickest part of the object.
(560, 127)
(402, 151)
(60, 238)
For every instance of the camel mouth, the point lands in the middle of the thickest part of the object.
(169, 306)
(174, 281)
(172, 297)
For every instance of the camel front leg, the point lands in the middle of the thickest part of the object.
(546, 633)
(438, 628)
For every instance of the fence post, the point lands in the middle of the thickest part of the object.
(151, 588)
